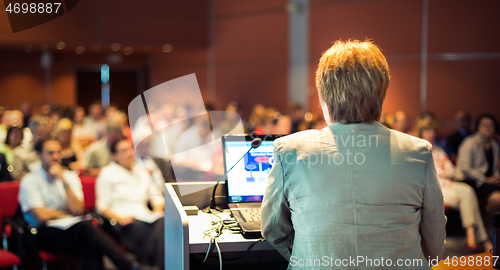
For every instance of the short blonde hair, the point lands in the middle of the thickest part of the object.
(62, 125)
(352, 80)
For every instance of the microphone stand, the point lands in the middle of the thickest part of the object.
(255, 144)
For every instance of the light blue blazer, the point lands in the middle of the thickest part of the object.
(356, 191)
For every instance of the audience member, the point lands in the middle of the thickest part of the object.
(256, 118)
(13, 140)
(95, 120)
(25, 108)
(384, 120)
(283, 125)
(477, 164)
(25, 156)
(85, 135)
(71, 151)
(51, 193)
(401, 122)
(462, 120)
(10, 118)
(123, 190)
(456, 195)
(98, 154)
(54, 114)
(296, 114)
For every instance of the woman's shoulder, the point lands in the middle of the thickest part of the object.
(296, 139)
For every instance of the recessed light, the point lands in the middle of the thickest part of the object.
(115, 47)
(80, 49)
(60, 45)
(167, 48)
(128, 50)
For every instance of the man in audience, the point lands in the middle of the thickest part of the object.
(98, 154)
(123, 190)
(95, 121)
(49, 194)
(402, 122)
(25, 108)
(25, 156)
(462, 119)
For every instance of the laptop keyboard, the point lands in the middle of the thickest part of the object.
(250, 214)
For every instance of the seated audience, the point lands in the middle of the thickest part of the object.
(71, 151)
(477, 165)
(13, 140)
(123, 190)
(51, 193)
(25, 157)
(321, 200)
(462, 120)
(402, 122)
(456, 195)
(98, 154)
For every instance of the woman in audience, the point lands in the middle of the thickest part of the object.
(477, 165)
(71, 151)
(456, 195)
(83, 134)
(12, 140)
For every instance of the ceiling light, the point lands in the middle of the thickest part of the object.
(115, 47)
(166, 48)
(80, 49)
(60, 45)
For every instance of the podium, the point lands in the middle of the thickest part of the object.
(184, 234)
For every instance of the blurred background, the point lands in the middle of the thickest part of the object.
(444, 55)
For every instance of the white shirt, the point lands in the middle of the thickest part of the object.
(36, 190)
(126, 193)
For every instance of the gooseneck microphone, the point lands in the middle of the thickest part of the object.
(255, 144)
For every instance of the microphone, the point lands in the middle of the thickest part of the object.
(255, 144)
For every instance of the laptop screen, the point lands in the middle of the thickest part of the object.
(246, 182)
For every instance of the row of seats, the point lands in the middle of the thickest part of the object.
(8, 206)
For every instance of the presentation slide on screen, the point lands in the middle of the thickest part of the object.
(249, 176)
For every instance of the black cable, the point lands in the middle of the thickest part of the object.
(242, 255)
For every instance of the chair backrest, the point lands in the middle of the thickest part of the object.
(8, 198)
(88, 186)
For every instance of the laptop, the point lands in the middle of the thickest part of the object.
(246, 182)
